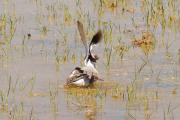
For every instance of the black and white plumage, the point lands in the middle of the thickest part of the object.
(88, 74)
(91, 58)
(81, 79)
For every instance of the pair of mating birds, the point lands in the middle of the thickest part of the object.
(88, 74)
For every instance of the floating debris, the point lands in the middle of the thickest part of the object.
(29, 36)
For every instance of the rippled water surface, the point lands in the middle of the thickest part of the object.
(139, 59)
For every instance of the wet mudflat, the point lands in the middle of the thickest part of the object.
(139, 59)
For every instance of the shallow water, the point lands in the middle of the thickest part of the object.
(37, 80)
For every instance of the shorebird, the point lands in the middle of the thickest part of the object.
(88, 74)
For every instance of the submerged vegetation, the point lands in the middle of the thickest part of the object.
(139, 59)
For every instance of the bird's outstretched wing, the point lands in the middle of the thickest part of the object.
(82, 34)
(96, 39)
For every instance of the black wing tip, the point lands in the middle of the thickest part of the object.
(99, 34)
(97, 37)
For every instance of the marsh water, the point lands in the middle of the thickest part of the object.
(46, 46)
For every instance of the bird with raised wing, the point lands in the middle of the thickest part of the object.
(88, 74)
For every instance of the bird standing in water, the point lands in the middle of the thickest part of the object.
(88, 74)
